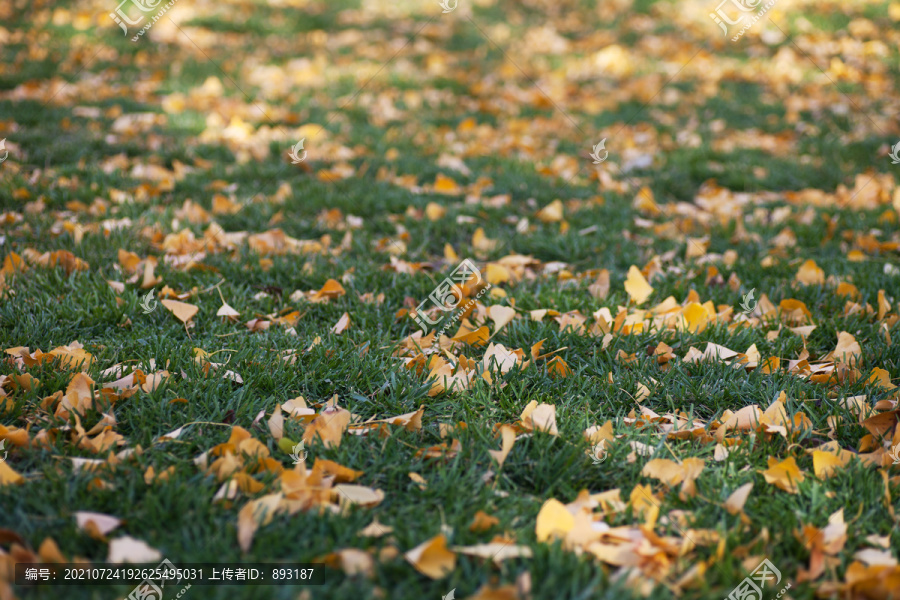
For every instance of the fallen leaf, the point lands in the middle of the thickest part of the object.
(432, 558)
(127, 549)
(785, 474)
(636, 286)
(183, 311)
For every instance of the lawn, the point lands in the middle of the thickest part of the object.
(671, 357)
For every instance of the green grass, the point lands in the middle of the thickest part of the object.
(44, 308)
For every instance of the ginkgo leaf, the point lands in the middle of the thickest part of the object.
(342, 325)
(183, 311)
(501, 315)
(478, 337)
(127, 549)
(784, 474)
(227, 312)
(255, 514)
(637, 287)
(8, 476)
(508, 438)
(97, 525)
(738, 498)
(432, 558)
(539, 417)
(553, 520)
(826, 463)
(810, 274)
(552, 213)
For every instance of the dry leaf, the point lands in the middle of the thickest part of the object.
(432, 558)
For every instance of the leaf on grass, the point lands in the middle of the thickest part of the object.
(483, 522)
(276, 423)
(352, 561)
(557, 368)
(8, 476)
(553, 521)
(342, 325)
(735, 502)
(495, 551)
(375, 529)
(810, 274)
(329, 426)
(637, 287)
(785, 474)
(539, 417)
(847, 350)
(552, 213)
(96, 525)
(351, 494)
(508, 438)
(330, 291)
(226, 312)
(183, 311)
(478, 337)
(672, 473)
(127, 549)
(432, 558)
(825, 463)
(501, 315)
(255, 514)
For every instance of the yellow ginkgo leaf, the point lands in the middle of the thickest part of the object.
(552, 213)
(637, 287)
(810, 274)
(432, 558)
(785, 474)
(8, 476)
(553, 521)
(501, 315)
(183, 311)
(479, 337)
(825, 463)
